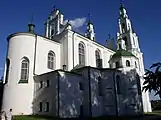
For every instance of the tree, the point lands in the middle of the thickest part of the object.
(153, 79)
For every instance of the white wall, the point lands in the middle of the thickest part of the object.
(90, 47)
(43, 47)
(21, 45)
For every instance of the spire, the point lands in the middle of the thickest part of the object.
(121, 3)
(31, 19)
(90, 29)
(123, 13)
(89, 18)
(54, 11)
(31, 26)
(110, 42)
(54, 7)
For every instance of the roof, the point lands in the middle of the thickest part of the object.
(120, 53)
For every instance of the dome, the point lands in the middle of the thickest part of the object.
(120, 53)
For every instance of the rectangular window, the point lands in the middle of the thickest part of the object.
(118, 84)
(47, 83)
(81, 86)
(47, 107)
(41, 84)
(110, 65)
(117, 65)
(40, 107)
(100, 86)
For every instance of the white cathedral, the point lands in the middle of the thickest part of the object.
(67, 74)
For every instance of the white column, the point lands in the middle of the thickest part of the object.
(47, 30)
(49, 34)
(120, 27)
(58, 26)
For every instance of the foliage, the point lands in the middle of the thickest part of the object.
(153, 79)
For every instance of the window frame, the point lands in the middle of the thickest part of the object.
(40, 84)
(47, 83)
(128, 63)
(7, 70)
(51, 60)
(118, 84)
(136, 66)
(81, 87)
(123, 27)
(126, 42)
(40, 106)
(98, 58)
(47, 107)
(117, 64)
(24, 72)
(81, 53)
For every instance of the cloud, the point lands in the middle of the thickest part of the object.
(76, 23)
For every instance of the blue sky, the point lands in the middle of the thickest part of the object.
(145, 16)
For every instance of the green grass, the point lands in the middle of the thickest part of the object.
(156, 112)
(155, 115)
(23, 117)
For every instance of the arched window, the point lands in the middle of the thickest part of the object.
(123, 27)
(98, 58)
(120, 46)
(52, 33)
(24, 69)
(125, 39)
(51, 60)
(136, 65)
(81, 54)
(117, 64)
(7, 69)
(127, 63)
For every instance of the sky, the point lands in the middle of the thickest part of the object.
(144, 14)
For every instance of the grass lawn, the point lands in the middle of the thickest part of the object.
(23, 117)
(155, 115)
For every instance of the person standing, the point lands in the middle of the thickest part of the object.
(9, 115)
(3, 115)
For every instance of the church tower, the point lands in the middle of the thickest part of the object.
(128, 41)
(54, 24)
(126, 31)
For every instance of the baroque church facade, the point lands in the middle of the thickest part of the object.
(67, 74)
